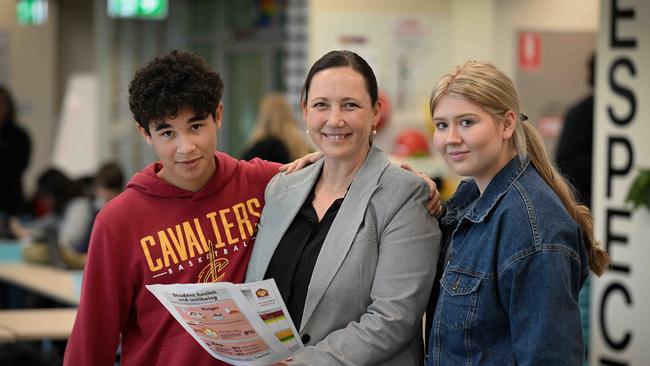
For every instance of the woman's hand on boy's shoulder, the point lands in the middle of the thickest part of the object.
(302, 162)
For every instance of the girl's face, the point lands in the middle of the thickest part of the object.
(472, 142)
(339, 114)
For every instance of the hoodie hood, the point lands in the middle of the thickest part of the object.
(148, 182)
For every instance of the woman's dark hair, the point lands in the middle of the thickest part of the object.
(55, 184)
(110, 176)
(171, 83)
(9, 117)
(343, 59)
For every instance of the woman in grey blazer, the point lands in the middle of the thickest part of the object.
(348, 239)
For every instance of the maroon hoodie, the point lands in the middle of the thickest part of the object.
(158, 233)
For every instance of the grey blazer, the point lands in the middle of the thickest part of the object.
(374, 273)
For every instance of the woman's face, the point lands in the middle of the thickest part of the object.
(339, 114)
(472, 142)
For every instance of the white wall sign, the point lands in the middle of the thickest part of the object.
(620, 320)
(76, 147)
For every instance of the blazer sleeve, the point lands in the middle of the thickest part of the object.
(408, 249)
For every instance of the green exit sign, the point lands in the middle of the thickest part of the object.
(31, 12)
(146, 9)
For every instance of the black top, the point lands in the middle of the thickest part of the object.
(294, 259)
(574, 149)
(270, 149)
(15, 149)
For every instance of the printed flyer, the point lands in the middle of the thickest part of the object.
(242, 324)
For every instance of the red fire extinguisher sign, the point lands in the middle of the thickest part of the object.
(530, 55)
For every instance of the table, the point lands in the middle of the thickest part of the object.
(6, 335)
(61, 285)
(36, 324)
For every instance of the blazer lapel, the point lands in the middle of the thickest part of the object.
(286, 207)
(344, 229)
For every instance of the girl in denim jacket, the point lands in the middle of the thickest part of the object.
(517, 246)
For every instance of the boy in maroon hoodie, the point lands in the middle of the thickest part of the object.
(190, 217)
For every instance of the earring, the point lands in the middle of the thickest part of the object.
(374, 132)
(307, 131)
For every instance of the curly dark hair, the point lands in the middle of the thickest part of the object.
(171, 83)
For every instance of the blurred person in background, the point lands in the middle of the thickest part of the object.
(63, 205)
(575, 147)
(15, 149)
(107, 183)
(276, 136)
(574, 156)
(67, 214)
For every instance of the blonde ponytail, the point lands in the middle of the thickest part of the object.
(598, 258)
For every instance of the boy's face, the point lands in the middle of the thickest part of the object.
(185, 146)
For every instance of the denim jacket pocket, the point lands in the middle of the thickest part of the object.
(460, 299)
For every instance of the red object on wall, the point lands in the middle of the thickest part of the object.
(550, 126)
(530, 51)
(411, 143)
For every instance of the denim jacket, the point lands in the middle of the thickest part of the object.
(509, 290)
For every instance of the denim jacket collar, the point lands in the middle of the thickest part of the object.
(468, 192)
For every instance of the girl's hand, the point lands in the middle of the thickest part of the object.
(433, 205)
